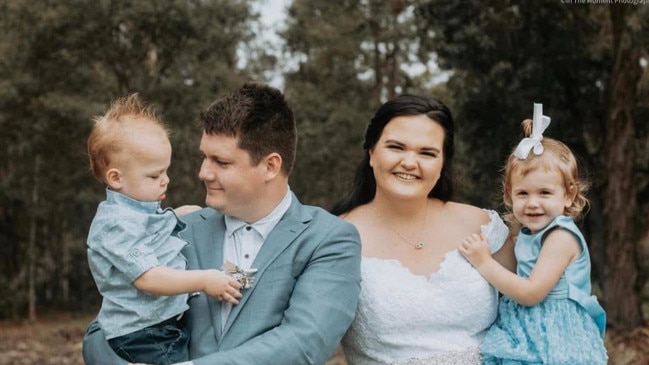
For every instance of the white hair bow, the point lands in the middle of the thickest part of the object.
(533, 143)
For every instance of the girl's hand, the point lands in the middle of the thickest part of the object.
(186, 209)
(475, 248)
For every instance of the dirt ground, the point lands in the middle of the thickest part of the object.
(57, 341)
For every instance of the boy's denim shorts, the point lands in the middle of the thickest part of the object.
(161, 344)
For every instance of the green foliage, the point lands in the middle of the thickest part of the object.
(63, 62)
(502, 55)
(352, 56)
(505, 56)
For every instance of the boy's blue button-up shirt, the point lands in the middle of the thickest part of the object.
(128, 237)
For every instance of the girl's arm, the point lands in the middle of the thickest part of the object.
(559, 249)
(161, 280)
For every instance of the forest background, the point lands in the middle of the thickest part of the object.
(63, 61)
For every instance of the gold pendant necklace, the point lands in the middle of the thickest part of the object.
(419, 244)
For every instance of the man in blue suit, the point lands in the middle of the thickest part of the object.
(304, 263)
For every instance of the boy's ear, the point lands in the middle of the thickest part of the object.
(114, 178)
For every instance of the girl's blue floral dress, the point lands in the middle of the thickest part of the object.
(567, 327)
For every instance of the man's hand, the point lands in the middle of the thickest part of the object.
(186, 209)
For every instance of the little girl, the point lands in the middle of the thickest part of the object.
(547, 314)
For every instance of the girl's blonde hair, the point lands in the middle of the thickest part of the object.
(557, 157)
(110, 134)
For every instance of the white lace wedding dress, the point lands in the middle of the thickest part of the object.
(404, 318)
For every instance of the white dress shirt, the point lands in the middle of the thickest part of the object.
(243, 241)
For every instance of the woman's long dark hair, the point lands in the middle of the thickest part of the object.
(364, 188)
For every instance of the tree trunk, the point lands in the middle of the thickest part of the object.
(620, 287)
(392, 66)
(64, 270)
(378, 71)
(31, 246)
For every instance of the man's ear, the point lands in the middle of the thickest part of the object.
(114, 178)
(273, 165)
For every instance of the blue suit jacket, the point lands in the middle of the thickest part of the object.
(301, 303)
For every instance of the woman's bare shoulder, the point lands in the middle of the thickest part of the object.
(468, 213)
(364, 222)
(357, 215)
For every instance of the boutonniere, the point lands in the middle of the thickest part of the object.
(242, 276)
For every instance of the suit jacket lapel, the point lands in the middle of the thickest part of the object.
(210, 256)
(212, 231)
(287, 229)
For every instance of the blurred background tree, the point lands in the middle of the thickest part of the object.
(63, 62)
(584, 64)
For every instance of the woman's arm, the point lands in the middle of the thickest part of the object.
(505, 256)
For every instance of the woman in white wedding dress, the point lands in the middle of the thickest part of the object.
(421, 302)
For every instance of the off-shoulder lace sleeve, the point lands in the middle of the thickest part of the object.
(496, 231)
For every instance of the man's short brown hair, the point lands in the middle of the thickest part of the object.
(260, 117)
